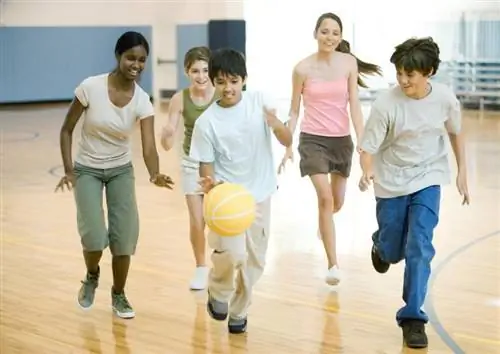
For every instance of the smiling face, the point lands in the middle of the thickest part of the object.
(413, 84)
(328, 35)
(229, 88)
(198, 75)
(132, 62)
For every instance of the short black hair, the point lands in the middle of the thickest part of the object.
(227, 61)
(417, 54)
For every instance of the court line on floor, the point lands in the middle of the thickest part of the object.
(429, 304)
(52, 171)
(31, 136)
(291, 301)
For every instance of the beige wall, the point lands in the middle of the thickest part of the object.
(163, 15)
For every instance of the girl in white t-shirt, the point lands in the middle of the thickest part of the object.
(110, 104)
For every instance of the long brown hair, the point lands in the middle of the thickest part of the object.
(344, 46)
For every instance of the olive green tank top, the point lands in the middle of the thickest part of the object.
(191, 112)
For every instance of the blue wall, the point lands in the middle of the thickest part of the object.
(47, 63)
(188, 36)
(479, 39)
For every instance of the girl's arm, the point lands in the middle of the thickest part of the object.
(66, 134)
(298, 79)
(354, 103)
(173, 117)
(149, 152)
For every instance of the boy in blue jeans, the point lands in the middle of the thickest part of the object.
(404, 152)
(232, 141)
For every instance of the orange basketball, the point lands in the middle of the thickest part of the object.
(229, 209)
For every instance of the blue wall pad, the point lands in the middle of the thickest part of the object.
(188, 36)
(46, 63)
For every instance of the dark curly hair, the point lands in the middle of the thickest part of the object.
(417, 54)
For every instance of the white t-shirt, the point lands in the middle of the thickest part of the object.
(408, 139)
(238, 142)
(106, 130)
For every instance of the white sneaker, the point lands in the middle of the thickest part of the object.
(333, 276)
(200, 279)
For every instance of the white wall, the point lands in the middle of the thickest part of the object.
(372, 27)
(162, 15)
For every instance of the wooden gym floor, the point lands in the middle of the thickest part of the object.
(293, 310)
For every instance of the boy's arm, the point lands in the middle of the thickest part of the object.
(277, 123)
(374, 134)
(454, 128)
(279, 129)
(202, 150)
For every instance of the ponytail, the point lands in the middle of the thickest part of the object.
(363, 67)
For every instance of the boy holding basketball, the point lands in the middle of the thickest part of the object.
(404, 152)
(232, 141)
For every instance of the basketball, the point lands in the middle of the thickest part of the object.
(229, 209)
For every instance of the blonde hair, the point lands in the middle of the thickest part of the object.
(195, 54)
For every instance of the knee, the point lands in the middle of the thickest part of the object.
(420, 248)
(325, 201)
(337, 205)
(228, 258)
(122, 249)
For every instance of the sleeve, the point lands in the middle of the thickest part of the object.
(454, 122)
(270, 102)
(82, 93)
(375, 131)
(202, 147)
(145, 108)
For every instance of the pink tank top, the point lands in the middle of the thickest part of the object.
(325, 108)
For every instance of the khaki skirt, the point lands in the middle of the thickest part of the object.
(324, 154)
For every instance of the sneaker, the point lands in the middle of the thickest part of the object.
(414, 334)
(237, 326)
(333, 276)
(216, 309)
(380, 265)
(86, 294)
(200, 279)
(121, 306)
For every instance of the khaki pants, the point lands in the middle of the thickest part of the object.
(122, 233)
(238, 262)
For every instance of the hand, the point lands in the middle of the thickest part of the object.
(167, 131)
(462, 187)
(288, 156)
(207, 183)
(365, 181)
(161, 180)
(271, 119)
(68, 180)
(166, 134)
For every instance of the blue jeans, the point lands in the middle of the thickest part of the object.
(405, 231)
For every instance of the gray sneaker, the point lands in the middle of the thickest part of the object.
(86, 294)
(121, 306)
(237, 326)
(216, 309)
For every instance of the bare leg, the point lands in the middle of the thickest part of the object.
(92, 260)
(338, 187)
(121, 265)
(198, 241)
(326, 224)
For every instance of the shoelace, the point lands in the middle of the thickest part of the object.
(122, 300)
